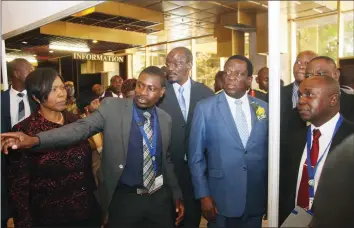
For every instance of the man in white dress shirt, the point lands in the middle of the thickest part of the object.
(305, 154)
(15, 107)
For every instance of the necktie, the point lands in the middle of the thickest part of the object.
(21, 107)
(148, 167)
(241, 123)
(303, 193)
(295, 98)
(182, 103)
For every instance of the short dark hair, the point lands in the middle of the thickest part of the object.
(39, 82)
(246, 60)
(326, 58)
(15, 64)
(128, 85)
(219, 75)
(155, 71)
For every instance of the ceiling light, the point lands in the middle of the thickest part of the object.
(69, 48)
(94, 41)
(317, 10)
(109, 50)
(24, 42)
(265, 6)
(51, 51)
(34, 55)
(297, 2)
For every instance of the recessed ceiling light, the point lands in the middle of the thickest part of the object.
(24, 42)
(109, 50)
(94, 41)
(51, 51)
(34, 55)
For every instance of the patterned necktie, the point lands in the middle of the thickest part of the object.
(241, 123)
(182, 102)
(295, 98)
(148, 168)
(21, 107)
(303, 193)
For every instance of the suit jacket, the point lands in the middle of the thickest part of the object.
(113, 119)
(334, 199)
(235, 177)
(181, 128)
(6, 127)
(290, 157)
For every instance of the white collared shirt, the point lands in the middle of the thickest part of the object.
(246, 108)
(14, 102)
(327, 131)
(186, 92)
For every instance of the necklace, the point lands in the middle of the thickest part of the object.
(57, 122)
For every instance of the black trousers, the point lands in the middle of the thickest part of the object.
(130, 210)
(192, 213)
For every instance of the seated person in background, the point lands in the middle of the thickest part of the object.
(71, 100)
(128, 88)
(52, 187)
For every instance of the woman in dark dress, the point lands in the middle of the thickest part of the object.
(54, 187)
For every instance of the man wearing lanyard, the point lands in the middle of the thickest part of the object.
(306, 152)
(136, 173)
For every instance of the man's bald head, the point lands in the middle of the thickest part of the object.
(263, 78)
(186, 52)
(302, 59)
(318, 99)
(322, 66)
(18, 70)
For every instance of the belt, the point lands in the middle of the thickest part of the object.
(129, 189)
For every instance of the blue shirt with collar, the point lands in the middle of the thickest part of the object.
(133, 172)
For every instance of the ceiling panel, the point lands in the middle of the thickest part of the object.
(142, 3)
(163, 6)
(182, 3)
(202, 5)
(107, 24)
(212, 19)
(123, 20)
(99, 16)
(182, 19)
(183, 11)
(82, 20)
(200, 15)
(219, 10)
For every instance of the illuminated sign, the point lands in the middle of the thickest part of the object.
(97, 57)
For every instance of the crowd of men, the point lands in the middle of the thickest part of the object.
(174, 150)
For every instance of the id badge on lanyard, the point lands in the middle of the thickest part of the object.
(312, 170)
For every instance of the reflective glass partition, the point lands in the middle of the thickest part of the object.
(318, 34)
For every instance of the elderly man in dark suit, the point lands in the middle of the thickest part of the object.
(319, 98)
(15, 107)
(136, 173)
(181, 97)
(289, 116)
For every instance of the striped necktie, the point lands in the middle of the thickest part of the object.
(21, 108)
(148, 168)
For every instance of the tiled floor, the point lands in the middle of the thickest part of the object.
(203, 223)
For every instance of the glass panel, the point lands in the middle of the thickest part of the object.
(157, 55)
(138, 62)
(319, 35)
(348, 33)
(184, 43)
(208, 63)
